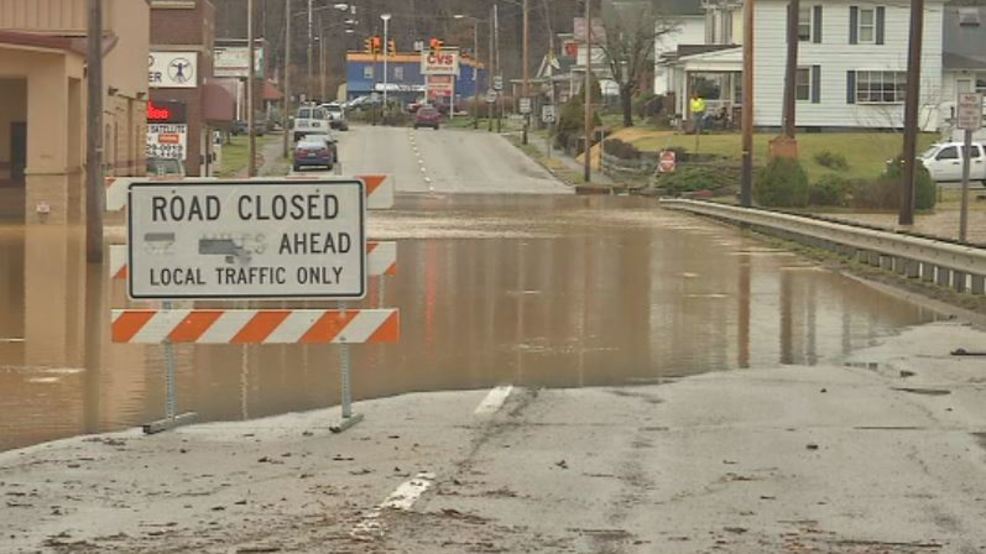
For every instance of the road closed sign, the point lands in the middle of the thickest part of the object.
(247, 240)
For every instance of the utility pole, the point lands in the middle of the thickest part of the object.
(475, 73)
(492, 72)
(496, 29)
(311, 51)
(95, 189)
(746, 181)
(386, 54)
(527, 91)
(321, 59)
(791, 71)
(906, 215)
(252, 138)
(286, 118)
(587, 92)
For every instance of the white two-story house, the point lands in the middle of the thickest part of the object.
(852, 63)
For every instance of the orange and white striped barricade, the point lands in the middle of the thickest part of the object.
(256, 240)
(260, 326)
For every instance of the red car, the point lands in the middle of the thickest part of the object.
(427, 116)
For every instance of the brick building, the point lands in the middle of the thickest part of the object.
(181, 75)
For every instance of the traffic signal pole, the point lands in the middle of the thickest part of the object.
(251, 88)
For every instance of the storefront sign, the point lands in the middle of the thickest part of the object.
(167, 140)
(172, 70)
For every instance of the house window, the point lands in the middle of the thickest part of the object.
(727, 27)
(398, 73)
(867, 25)
(802, 84)
(804, 23)
(981, 83)
(368, 72)
(880, 87)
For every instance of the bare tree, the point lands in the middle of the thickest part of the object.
(631, 29)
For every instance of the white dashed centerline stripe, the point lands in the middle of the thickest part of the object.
(403, 498)
(494, 400)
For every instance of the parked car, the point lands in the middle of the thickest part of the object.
(239, 128)
(312, 152)
(944, 162)
(170, 167)
(337, 116)
(427, 116)
(330, 142)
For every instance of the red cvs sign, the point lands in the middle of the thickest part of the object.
(445, 62)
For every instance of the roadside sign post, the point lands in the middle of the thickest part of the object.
(549, 114)
(969, 114)
(254, 239)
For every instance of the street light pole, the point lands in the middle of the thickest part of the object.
(496, 31)
(386, 47)
(321, 59)
(286, 118)
(95, 189)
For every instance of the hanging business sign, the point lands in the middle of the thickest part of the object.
(247, 240)
(445, 62)
(172, 70)
(440, 86)
(234, 61)
(167, 140)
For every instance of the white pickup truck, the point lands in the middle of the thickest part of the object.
(944, 162)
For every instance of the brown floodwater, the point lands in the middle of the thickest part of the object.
(555, 291)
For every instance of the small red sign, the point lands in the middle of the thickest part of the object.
(668, 162)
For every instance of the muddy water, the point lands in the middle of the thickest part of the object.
(549, 291)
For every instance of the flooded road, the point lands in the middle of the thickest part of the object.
(555, 291)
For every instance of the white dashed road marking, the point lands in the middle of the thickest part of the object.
(494, 400)
(403, 498)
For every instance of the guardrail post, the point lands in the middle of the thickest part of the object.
(912, 269)
(900, 266)
(978, 284)
(958, 281)
(887, 263)
(944, 276)
(927, 272)
(874, 259)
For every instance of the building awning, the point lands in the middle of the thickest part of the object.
(272, 93)
(218, 105)
(35, 40)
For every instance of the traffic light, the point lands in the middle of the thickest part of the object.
(435, 45)
(368, 45)
(377, 45)
(392, 48)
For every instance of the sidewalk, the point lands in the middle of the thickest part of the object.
(559, 159)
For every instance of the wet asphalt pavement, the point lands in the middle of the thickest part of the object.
(504, 277)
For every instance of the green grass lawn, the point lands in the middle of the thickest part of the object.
(234, 157)
(865, 152)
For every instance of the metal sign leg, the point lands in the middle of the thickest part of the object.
(348, 417)
(171, 417)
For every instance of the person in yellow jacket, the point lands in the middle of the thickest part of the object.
(697, 108)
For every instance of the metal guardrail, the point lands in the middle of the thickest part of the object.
(948, 263)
